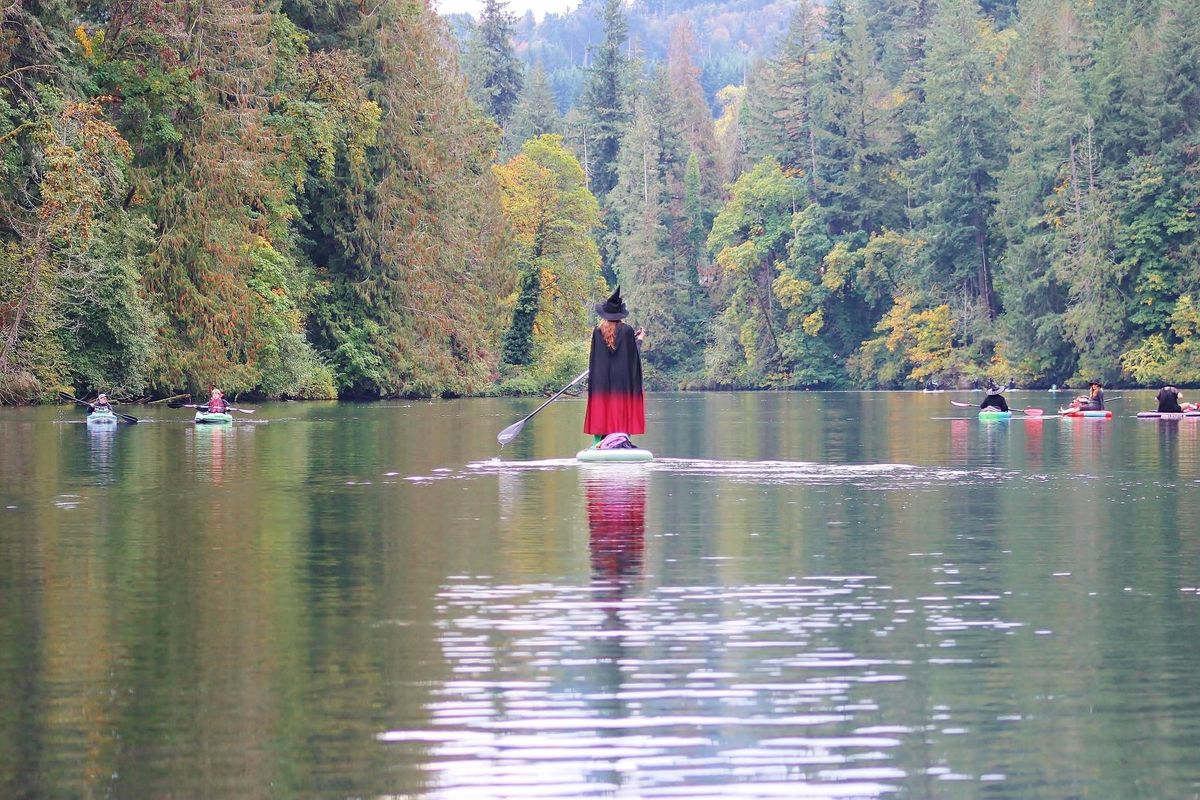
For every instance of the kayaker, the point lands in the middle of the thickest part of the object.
(1168, 400)
(102, 403)
(1093, 400)
(615, 401)
(216, 402)
(994, 399)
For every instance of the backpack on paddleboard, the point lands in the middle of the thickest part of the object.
(616, 441)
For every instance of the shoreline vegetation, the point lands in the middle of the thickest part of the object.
(319, 200)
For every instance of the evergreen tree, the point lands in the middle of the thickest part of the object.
(653, 246)
(1050, 114)
(605, 101)
(494, 73)
(406, 244)
(963, 143)
(781, 100)
(536, 113)
(695, 114)
(855, 134)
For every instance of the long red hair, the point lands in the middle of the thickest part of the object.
(608, 329)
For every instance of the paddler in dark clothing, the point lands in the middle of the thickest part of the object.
(1168, 401)
(1093, 400)
(102, 403)
(615, 401)
(994, 399)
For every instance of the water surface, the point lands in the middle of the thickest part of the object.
(806, 594)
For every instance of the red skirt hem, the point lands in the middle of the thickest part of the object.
(614, 413)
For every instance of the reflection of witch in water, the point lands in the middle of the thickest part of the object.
(616, 507)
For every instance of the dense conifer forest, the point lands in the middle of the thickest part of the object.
(292, 199)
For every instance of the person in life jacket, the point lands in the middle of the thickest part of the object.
(216, 402)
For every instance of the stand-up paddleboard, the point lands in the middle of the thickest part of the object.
(615, 455)
(1075, 412)
(1168, 415)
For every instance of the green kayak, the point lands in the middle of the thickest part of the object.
(207, 418)
(102, 417)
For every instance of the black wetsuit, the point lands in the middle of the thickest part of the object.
(1168, 401)
(995, 401)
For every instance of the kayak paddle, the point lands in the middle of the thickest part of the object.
(508, 434)
(90, 407)
(1029, 412)
(205, 408)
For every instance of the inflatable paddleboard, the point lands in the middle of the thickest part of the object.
(1168, 415)
(616, 455)
(1075, 412)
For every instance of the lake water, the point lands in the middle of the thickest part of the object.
(806, 595)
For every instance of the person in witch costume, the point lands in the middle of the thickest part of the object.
(615, 402)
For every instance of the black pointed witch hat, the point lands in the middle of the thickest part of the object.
(613, 308)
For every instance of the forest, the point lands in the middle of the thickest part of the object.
(313, 200)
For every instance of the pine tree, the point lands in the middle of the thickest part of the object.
(406, 245)
(855, 134)
(781, 101)
(1050, 114)
(536, 113)
(964, 149)
(658, 264)
(688, 95)
(605, 101)
(494, 73)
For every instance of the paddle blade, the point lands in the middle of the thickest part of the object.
(508, 434)
(1033, 412)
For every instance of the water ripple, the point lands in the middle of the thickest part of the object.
(743, 691)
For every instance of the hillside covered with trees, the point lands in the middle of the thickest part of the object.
(318, 200)
(907, 192)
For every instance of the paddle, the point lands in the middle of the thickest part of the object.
(508, 434)
(205, 408)
(90, 407)
(1029, 412)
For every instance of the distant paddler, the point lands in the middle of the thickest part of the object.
(615, 403)
(1093, 400)
(994, 400)
(1169, 401)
